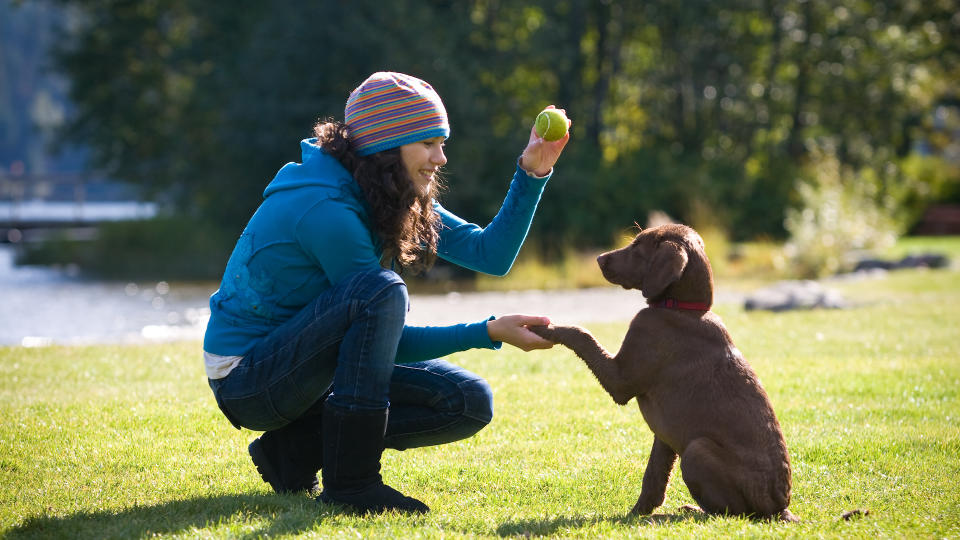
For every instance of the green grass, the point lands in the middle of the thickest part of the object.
(126, 441)
(741, 267)
(914, 245)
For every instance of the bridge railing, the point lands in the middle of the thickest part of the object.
(58, 201)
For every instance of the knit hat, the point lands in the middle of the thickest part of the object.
(392, 109)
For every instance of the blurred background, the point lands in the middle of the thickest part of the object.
(796, 135)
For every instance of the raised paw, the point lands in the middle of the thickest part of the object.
(546, 332)
(564, 335)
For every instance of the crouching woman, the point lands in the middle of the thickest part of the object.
(307, 338)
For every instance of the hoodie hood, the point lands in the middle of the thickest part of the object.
(317, 169)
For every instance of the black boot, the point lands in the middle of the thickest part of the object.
(288, 458)
(352, 445)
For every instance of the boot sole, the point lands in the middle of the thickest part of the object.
(269, 474)
(362, 505)
(262, 463)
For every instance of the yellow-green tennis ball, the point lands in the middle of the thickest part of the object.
(551, 124)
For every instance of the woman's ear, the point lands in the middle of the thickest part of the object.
(665, 266)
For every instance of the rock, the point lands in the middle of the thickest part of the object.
(873, 264)
(787, 295)
(923, 260)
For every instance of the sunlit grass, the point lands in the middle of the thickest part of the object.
(915, 245)
(574, 270)
(740, 266)
(126, 441)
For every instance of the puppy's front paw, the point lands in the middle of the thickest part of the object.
(564, 335)
(548, 333)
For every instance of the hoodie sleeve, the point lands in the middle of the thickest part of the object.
(492, 249)
(335, 236)
(418, 343)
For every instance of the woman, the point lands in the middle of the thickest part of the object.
(306, 339)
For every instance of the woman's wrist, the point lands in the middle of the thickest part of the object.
(532, 172)
(492, 330)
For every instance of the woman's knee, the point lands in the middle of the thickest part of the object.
(477, 407)
(477, 400)
(383, 289)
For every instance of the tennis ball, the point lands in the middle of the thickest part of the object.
(551, 124)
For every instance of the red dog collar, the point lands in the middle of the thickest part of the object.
(676, 304)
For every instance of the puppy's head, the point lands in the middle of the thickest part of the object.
(661, 258)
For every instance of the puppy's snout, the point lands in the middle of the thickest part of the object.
(606, 264)
(603, 260)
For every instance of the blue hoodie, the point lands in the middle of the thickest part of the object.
(312, 230)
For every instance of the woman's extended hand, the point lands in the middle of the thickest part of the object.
(513, 329)
(540, 155)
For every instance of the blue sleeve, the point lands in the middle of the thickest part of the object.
(336, 237)
(492, 249)
(419, 343)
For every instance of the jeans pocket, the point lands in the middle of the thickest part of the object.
(256, 412)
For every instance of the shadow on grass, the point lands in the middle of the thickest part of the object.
(263, 516)
(551, 526)
(246, 516)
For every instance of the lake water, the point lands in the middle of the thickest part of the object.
(44, 306)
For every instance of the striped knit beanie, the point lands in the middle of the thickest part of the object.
(392, 109)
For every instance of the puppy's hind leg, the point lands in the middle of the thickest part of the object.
(788, 516)
(655, 478)
(711, 476)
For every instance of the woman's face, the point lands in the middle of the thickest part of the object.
(422, 160)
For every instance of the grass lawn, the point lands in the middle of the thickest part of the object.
(126, 441)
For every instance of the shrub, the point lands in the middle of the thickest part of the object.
(164, 248)
(840, 216)
(923, 180)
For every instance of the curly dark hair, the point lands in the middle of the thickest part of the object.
(403, 217)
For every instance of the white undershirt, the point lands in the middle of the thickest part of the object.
(218, 366)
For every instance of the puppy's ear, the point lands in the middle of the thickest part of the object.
(666, 265)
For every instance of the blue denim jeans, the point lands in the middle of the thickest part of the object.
(346, 341)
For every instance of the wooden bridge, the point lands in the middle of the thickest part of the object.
(36, 207)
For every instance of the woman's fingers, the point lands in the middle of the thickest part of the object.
(513, 329)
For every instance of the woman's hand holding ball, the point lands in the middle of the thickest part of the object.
(548, 136)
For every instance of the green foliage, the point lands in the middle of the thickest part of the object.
(164, 248)
(839, 218)
(674, 106)
(923, 180)
(31, 100)
(127, 442)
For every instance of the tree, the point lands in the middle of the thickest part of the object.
(676, 107)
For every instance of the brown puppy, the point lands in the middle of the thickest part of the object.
(697, 393)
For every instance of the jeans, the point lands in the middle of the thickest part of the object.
(346, 341)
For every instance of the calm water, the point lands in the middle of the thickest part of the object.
(43, 306)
